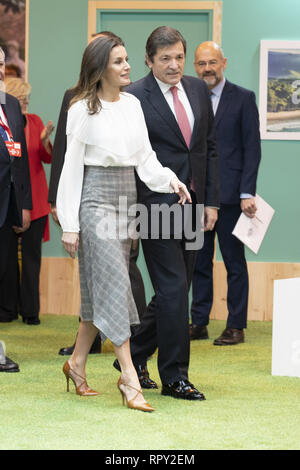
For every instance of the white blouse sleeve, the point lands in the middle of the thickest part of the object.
(70, 185)
(149, 169)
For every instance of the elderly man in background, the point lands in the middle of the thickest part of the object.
(25, 291)
(238, 138)
(15, 201)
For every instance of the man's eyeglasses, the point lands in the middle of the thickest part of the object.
(202, 63)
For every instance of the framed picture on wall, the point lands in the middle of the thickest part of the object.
(13, 14)
(279, 97)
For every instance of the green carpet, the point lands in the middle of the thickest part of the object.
(246, 408)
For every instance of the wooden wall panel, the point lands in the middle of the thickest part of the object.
(59, 286)
(60, 292)
(261, 277)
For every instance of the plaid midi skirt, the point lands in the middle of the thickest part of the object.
(104, 249)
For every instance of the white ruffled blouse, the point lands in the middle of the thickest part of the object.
(116, 136)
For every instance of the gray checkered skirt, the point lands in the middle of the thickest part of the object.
(104, 249)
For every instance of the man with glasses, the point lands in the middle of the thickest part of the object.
(238, 138)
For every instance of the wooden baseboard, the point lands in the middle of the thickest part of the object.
(60, 292)
(261, 280)
(59, 286)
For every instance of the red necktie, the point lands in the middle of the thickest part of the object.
(182, 118)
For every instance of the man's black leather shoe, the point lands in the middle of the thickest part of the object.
(230, 336)
(143, 375)
(68, 351)
(198, 332)
(8, 319)
(182, 389)
(9, 366)
(31, 320)
(95, 349)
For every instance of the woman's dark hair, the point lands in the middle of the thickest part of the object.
(161, 37)
(108, 34)
(94, 63)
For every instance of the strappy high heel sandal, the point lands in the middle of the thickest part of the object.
(130, 403)
(83, 389)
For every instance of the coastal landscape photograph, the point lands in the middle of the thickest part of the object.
(283, 102)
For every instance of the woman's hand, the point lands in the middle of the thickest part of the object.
(47, 131)
(45, 134)
(181, 190)
(70, 241)
(54, 214)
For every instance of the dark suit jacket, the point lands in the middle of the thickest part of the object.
(237, 124)
(59, 147)
(200, 161)
(15, 170)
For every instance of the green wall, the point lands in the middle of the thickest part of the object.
(58, 33)
(195, 27)
(57, 39)
(245, 23)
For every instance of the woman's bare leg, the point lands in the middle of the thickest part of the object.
(129, 375)
(86, 335)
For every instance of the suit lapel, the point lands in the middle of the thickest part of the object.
(224, 101)
(158, 101)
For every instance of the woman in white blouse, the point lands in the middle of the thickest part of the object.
(107, 140)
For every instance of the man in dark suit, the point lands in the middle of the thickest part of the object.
(180, 124)
(238, 138)
(58, 157)
(15, 201)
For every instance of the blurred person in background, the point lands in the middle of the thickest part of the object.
(12, 70)
(13, 57)
(22, 289)
(15, 201)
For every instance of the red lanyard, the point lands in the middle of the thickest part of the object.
(6, 126)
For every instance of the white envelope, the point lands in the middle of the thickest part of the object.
(252, 231)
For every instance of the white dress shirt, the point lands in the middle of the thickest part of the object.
(165, 89)
(115, 136)
(216, 93)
